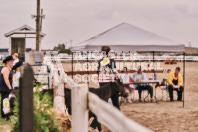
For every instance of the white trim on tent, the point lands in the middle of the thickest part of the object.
(126, 37)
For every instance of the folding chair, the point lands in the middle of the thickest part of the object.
(165, 92)
(147, 95)
(175, 96)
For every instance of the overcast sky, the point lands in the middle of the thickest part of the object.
(79, 20)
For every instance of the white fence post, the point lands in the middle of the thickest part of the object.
(79, 108)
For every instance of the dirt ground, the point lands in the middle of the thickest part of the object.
(169, 116)
(5, 128)
(165, 116)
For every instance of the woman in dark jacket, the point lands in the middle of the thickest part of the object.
(106, 73)
(106, 67)
(6, 81)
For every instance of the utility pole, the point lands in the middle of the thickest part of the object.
(41, 20)
(39, 16)
(38, 26)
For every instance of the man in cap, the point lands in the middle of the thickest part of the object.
(138, 76)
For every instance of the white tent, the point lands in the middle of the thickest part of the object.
(126, 37)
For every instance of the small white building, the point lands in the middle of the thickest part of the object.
(17, 40)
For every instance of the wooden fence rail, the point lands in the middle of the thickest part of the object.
(130, 71)
(82, 101)
(112, 118)
(135, 58)
(107, 114)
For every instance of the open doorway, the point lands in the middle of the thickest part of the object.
(18, 46)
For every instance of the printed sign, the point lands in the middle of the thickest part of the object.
(105, 61)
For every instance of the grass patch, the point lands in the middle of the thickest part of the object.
(3, 122)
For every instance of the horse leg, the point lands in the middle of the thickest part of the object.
(95, 122)
(115, 100)
(99, 127)
(68, 100)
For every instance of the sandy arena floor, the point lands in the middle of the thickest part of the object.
(166, 116)
(169, 116)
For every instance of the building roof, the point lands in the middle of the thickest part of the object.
(6, 50)
(23, 30)
(3, 50)
(126, 37)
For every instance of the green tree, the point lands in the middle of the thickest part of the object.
(61, 49)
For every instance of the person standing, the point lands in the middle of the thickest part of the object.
(106, 67)
(16, 75)
(16, 58)
(6, 81)
(175, 82)
(106, 73)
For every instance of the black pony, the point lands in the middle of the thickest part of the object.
(111, 90)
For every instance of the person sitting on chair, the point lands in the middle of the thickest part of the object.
(175, 82)
(138, 76)
(126, 79)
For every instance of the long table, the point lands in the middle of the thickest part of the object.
(147, 82)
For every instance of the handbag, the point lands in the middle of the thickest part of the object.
(7, 103)
(6, 106)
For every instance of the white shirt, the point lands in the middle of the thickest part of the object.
(15, 61)
(125, 78)
(138, 77)
(16, 77)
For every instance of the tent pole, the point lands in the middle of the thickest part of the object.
(72, 65)
(129, 59)
(87, 68)
(131, 56)
(183, 75)
(154, 72)
(154, 62)
(122, 61)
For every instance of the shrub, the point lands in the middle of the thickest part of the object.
(44, 120)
